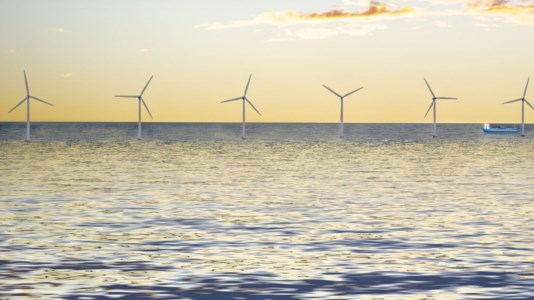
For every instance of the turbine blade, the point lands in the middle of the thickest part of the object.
(512, 101)
(529, 104)
(526, 87)
(248, 83)
(253, 106)
(19, 104)
(148, 110)
(429, 88)
(331, 90)
(35, 98)
(122, 96)
(144, 89)
(234, 99)
(26, 82)
(446, 98)
(429, 108)
(352, 92)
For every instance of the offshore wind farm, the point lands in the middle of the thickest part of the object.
(139, 186)
(245, 101)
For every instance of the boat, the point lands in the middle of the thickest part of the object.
(500, 128)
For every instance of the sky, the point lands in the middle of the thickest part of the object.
(79, 54)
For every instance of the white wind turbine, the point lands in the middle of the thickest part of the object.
(341, 98)
(27, 100)
(244, 99)
(141, 100)
(434, 103)
(523, 101)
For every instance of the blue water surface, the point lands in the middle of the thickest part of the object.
(292, 212)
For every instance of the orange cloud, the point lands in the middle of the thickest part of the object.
(374, 9)
(293, 18)
(514, 10)
(487, 3)
(503, 6)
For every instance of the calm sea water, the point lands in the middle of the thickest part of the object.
(293, 212)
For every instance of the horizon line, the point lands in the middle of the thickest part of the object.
(210, 122)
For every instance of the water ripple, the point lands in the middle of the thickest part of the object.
(193, 212)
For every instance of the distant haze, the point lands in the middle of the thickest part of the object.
(79, 54)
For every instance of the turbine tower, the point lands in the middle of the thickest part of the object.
(244, 99)
(140, 100)
(27, 100)
(523, 101)
(433, 105)
(341, 98)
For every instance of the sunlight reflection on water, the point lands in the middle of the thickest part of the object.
(291, 213)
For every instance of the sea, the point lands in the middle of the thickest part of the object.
(192, 211)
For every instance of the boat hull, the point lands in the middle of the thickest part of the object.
(500, 130)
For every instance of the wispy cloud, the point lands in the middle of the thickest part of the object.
(521, 12)
(66, 75)
(497, 12)
(59, 30)
(318, 33)
(504, 6)
(374, 9)
(361, 17)
(298, 25)
(292, 17)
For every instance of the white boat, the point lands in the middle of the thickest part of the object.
(500, 128)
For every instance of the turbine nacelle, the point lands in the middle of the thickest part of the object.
(523, 98)
(140, 97)
(28, 96)
(344, 96)
(434, 98)
(244, 97)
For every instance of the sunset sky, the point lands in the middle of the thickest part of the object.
(79, 54)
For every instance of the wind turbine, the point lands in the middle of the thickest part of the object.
(434, 103)
(341, 98)
(27, 100)
(141, 100)
(244, 99)
(523, 101)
